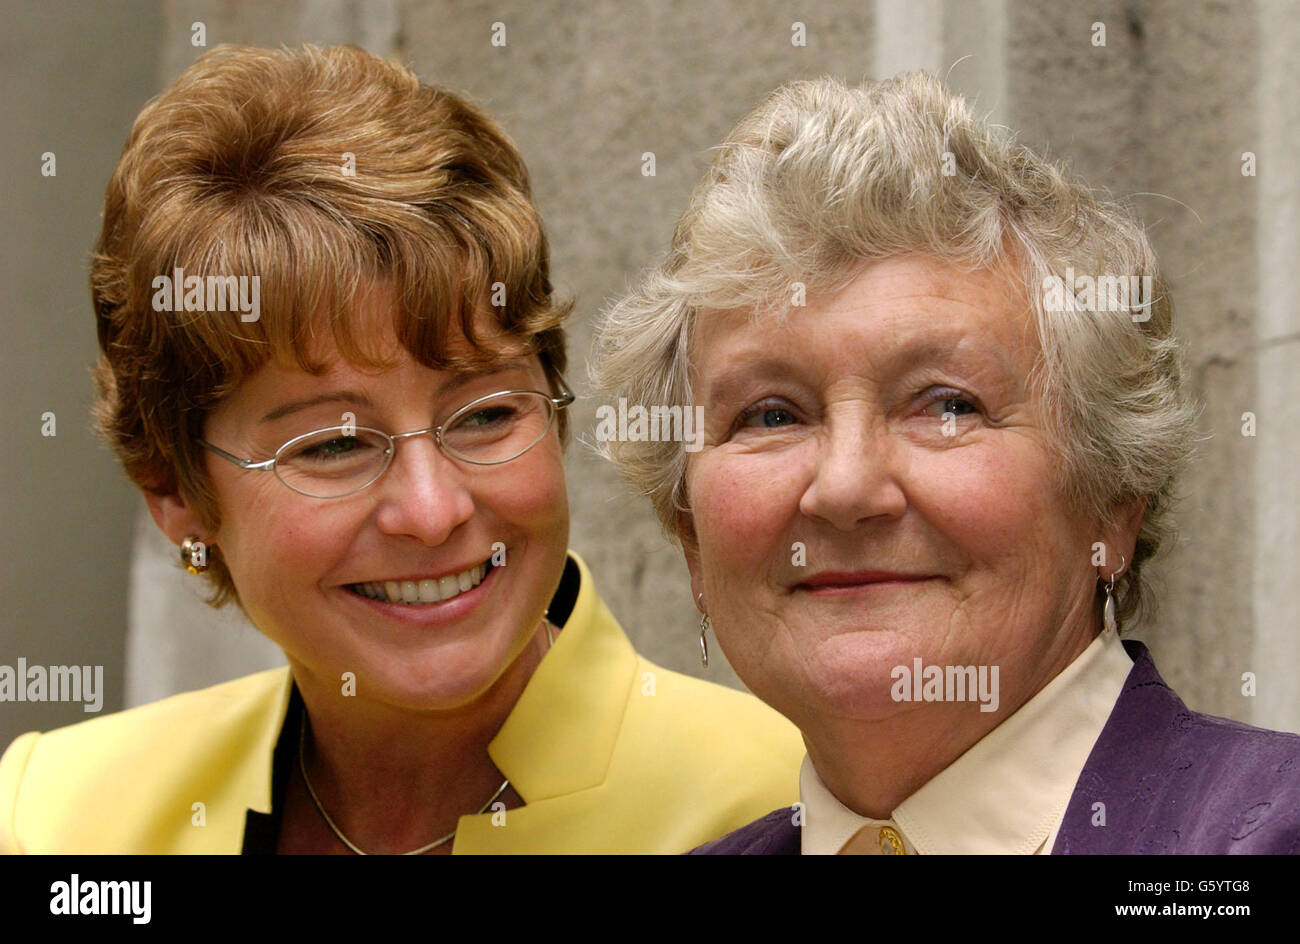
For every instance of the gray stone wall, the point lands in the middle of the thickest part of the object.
(65, 510)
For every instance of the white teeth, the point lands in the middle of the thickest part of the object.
(424, 591)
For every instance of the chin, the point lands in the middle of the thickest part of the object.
(852, 676)
(863, 695)
(441, 681)
(439, 696)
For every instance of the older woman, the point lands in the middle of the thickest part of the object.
(943, 419)
(332, 361)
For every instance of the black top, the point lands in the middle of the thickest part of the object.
(262, 830)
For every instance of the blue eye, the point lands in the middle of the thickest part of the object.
(951, 401)
(767, 415)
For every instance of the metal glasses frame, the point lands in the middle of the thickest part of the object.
(565, 398)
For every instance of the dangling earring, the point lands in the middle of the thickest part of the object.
(704, 639)
(194, 554)
(1108, 611)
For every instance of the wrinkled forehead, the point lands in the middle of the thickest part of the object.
(914, 299)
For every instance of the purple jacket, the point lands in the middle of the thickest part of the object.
(1172, 780)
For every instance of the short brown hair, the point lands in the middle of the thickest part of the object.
(239, 169)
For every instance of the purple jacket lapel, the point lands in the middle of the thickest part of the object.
(1163, 779)
(774, 834)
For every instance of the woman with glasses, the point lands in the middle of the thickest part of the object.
(332, 362)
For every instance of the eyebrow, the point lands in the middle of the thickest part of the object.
(334, 396)
(739, 373)
(360, 399)
(913, 353)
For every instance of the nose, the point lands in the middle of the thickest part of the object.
(423, 493)
(854, 475)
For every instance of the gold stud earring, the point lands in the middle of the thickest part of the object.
(194, 554)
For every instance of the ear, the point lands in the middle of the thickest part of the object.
(174, 517)
(691, 551)
(1122, 539)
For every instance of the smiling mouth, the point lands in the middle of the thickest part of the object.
(842, 583)
(423, 592)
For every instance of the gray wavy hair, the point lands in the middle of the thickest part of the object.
(819, 180)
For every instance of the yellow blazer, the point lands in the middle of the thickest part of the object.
(611, 754)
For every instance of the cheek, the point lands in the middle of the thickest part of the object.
(743, 506)
(997, 504)
(268, 534)
(523, 504)
(532, 492)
